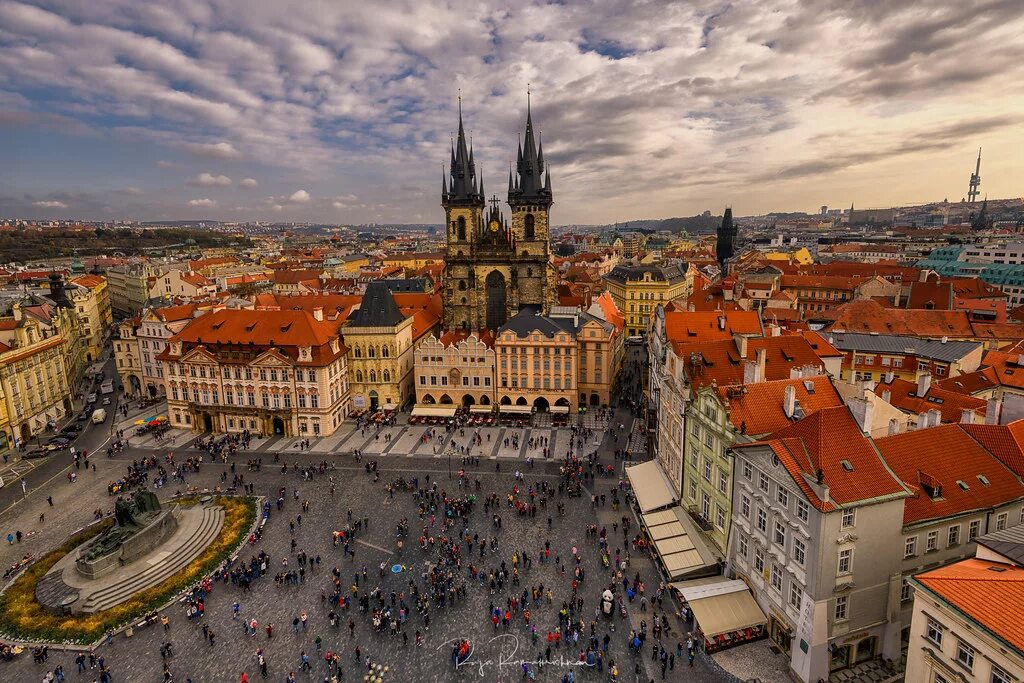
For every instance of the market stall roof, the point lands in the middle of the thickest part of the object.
(516, 410)
(388, 406)
(481, 409)
(722, 605)
(650, 486)
(679, 543)
(433, 411)
(559, 409)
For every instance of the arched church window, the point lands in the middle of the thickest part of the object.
(462, 285)
(383, 352)
(463, 300)
(359, 375)
(373, 376)
(460, 230)
(529, 228)
(371, 352)
(387, 376)
(358, 352)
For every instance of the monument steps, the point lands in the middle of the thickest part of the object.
(179, 557)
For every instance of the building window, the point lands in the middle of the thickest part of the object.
(758, 560)
(845, 561)
(931, 542)
(965, 654)
(849, 517)
(795, 596)
(776, 577)
(906, 592)
(1000, 676)
(953, 538)
(743, 547)
(780, 534)
(748, 471)
(707, 468)
(910, 547)
(782, 496)
(762, 521)
(842, 607)
(723, 482)
(973, 529)
(745, 506)
(693, 490)
(314, 402)
(802, 510)
(719, 517)
(1000, 521)
(763, 482)
(694, 458)
(799, 551)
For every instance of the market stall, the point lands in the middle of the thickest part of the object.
(725, 612)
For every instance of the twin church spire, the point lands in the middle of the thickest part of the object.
(531, 183)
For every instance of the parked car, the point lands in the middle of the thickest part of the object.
(106, 401)
(72, 430)
(36, 453)
(84, 415)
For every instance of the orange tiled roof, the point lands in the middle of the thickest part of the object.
(263, 328)
(720, 362)
(199, 264)
(950, 404)
(704, 326)
(455, 336)
(611, 311)
(820, 282)
(196, 280)
(89, 281)
(970, 383)
(294, 277)
(822, 441)
(990, 593)
(1008, 367)
(999, 331)
(866, 316)
(821, 345)
(758, 408)
(1006, 442)
(170, 314)
(945, 456)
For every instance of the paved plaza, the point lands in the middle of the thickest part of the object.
(400, 452)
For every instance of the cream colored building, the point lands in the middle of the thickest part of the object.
(181, 283)
(457, 368)
(537, 362)
(639, 289)
(91, 298)
(127, 357)
(278, 372)
(381, 342)
(33, 375)
(129, 287)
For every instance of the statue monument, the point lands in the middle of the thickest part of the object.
(147, 544)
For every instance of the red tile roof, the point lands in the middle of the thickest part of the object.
(990, 593)
(866, 315)
(705, 326)
(950, 404)
(1006, 442)
(821, 442)
(262, 328)
(945, 456)
(970, 383)
(757, 409)
(455, 336)
(720, 362)
(89, 281)
(612, 314)
(1008, 367)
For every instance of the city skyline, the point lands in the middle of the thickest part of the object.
(324, 113)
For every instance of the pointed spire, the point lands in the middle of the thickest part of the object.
(511, 186)
(444, 184)
(547, 179)
(481, 191)
(531, 183)
(463, 185)
(540, 151)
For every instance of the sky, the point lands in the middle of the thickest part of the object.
(342, 112)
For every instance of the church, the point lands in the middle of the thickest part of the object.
(496, 267)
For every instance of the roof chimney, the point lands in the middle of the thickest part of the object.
(894, 426)
(922, 421)
(889, 376)
(761, 355)
(967, 416)
(863, 410)
(741, 344)
(721, 322)
(887, 396)
(934, 417)
(993, 410)
(318, 313)
(789, 401)
(924, 383)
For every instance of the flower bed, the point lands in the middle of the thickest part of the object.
(23, 618)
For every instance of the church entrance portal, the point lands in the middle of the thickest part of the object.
(278, 426)
(496, 300)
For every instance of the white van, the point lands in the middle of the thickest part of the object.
(99, 416)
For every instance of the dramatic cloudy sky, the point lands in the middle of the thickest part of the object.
(341, 111)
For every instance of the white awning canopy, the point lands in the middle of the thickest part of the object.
(560, 409)
(481, 409)
(433, 411)
(516, 410)
(721, 605)
(650, 486)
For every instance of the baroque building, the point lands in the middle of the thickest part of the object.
(494, 267)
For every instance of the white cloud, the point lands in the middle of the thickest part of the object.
(209, 179)
(202, 203)
(277, 207)
(248, 182)
(300, 196)
(214, 150)
(50, 204)
(704, 102)
(338, 205)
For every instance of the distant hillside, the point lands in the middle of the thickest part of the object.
(694, 225)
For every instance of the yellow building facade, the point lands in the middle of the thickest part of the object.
(638, 289)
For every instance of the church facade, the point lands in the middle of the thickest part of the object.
(495, 266)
